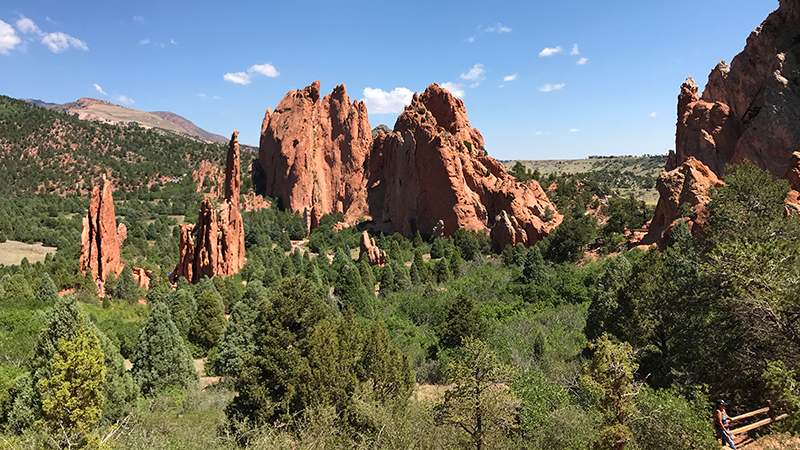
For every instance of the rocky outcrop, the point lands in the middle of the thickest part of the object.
(314, 152)
(686, 185)
(433, 168)
(369, 250)
(750, 109)
(122, 233)
(211, 173)
(254, 202)
(99, 241)
(793, 177)
(319, 157)
(142, 277)
(215, 245)
(506, 231)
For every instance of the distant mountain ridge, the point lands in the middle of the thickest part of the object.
(102, 111)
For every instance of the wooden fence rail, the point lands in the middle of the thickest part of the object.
(771, 419)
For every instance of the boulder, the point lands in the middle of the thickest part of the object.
(99, 240)
(750, 109)
(688, 184)
(368, 249)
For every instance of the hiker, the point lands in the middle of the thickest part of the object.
(721, 424)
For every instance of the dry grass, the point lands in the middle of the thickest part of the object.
(12, 252)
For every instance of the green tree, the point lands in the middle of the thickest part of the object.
(209, 322)
(183, 308)
(353, 294)
(535, 269)
(48, 292)
(462, 320)
(480, 400)
(609, 375)
(161, 360)
(443, 274)
(126, 288)
(784, 388)
(238, 340)
(437, 248)
(72, 400)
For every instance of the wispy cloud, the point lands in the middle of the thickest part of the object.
(510, 77)
(551, 87)
(139, 19)
(47, 18)
(382, 102)
(125, 100)
(653, 114)
(475, 74)
(172, 41)
(498, 28)
(574, 50)
(550, 51)
(582, 61)
(201, 95)
(244, 78)
(99, 89)
(57, 42)
(144, 42)
(8, 38)
(454, 88)
(574, 130)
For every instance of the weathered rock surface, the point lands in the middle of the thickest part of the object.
(688, 184)
(374, 255)
(319, 157)
(99, 241)
(255, 202)
(215, 245)
(793, 177)
(209, 171)
(122, 233)
(750, 109)
(314, 153)
(434, 167)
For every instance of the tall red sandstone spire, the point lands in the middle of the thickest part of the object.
(99, 241)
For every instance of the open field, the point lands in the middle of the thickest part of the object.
(12, 252)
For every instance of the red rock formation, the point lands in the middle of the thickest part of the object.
(99, 241)
(688, 184)
(319, 158)
(433, 167)
(211, 172)
(122, 233)
(219, 248)
(506, 231)
(314, 151)
(793, 177)
(751, 109)
(142, 277)
(255, 202)
(375, 256)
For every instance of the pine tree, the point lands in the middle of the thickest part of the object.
(419, 263)
(462, 320)
(72, 400)
(158, 291)
(367, 276)
(387, 281)
(161, 360)
(183, 308)
(238, 339)
(535, 270)
(209, 322)
(352, 293)
(443, 271)
(48, 293)
(127, 289)
(437, 249)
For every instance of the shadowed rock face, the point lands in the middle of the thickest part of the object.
(319, 157)
(750, 109)
(99, 241)
(215, 245)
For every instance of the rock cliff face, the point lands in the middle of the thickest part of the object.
(319, 157)
(314, 153)
(688, 184)
(219, 245)
(750, 109)
(99, 241)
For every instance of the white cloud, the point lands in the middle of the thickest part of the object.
(237, 77)
(58, 42)
(455, 89)
(144, 42)
(551, 51)
(125, 100)
(99, 89)
(551, 87)
(217, 97)
(381, 102)
(653, 114)
(474, 74)
(139, 19)
(26, 25)
(499, 28)
(172, 41)
(201, 95)
(8, 38)
(574, 130)
(267, 70)
(47, 18)
(574, 50)
(510, 77)
(471, 39)
(538, 133)
(581, 61)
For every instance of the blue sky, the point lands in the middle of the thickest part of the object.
(540, 80)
